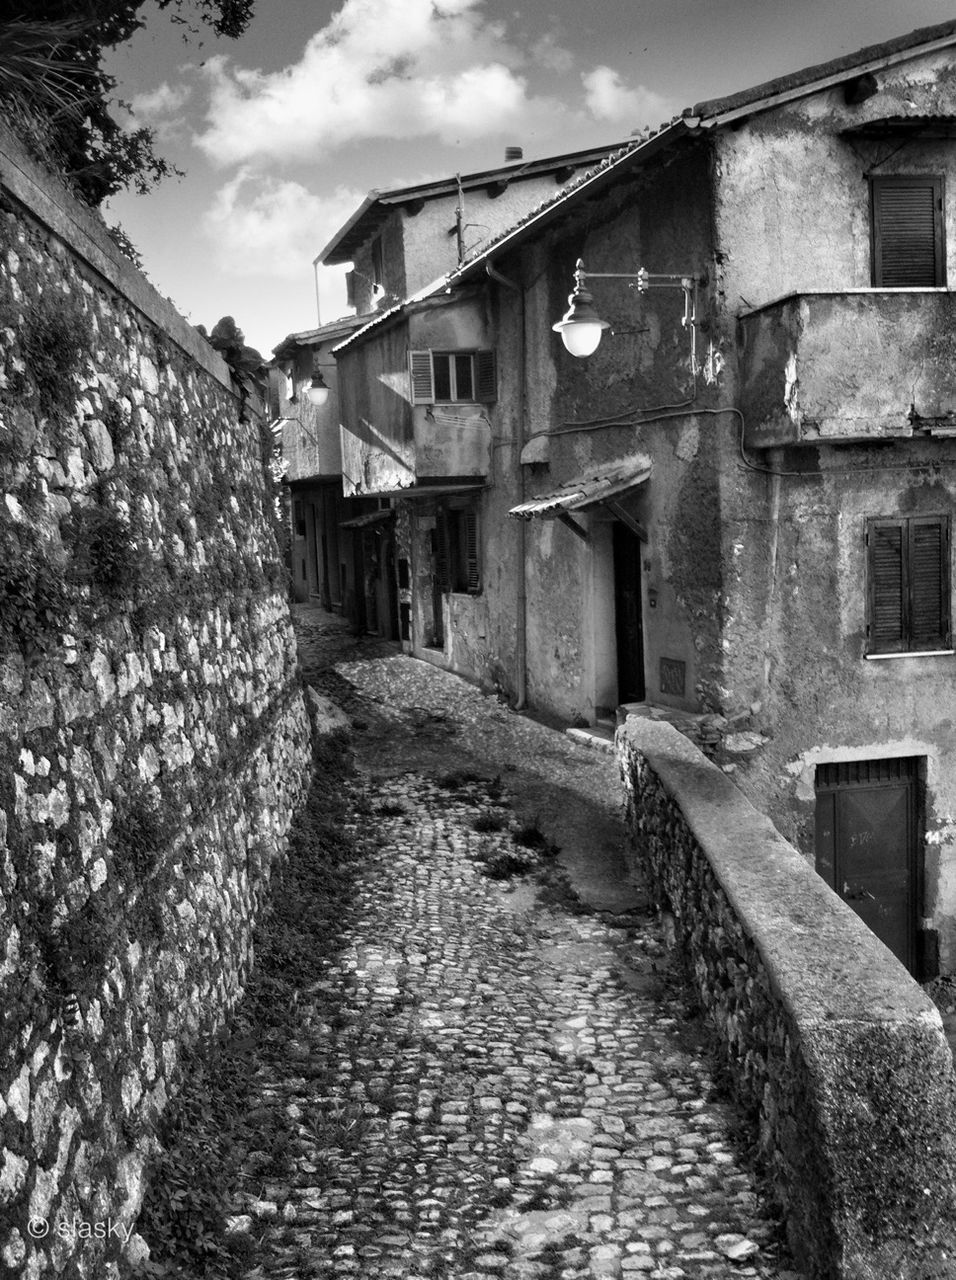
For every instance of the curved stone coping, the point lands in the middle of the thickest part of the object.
(53, 204)
(825, 964)
(837, 1053)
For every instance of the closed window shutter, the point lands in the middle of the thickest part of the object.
(472, 564)
(486, 389)
(422, 380)
(908, 232)
(929, 582)
(442, 552)
(887, 586)
(909, 584)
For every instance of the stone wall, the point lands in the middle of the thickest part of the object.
(836, 1053)
(153, 736)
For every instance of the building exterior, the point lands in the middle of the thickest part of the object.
(400, 240)
(342, 544)
(342, 551)
(739, 506)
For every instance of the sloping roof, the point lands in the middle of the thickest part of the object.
(330, 332)
(707, 114)
(608, 480)
(377, 205)
(844, 67)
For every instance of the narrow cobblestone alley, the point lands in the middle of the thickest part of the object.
(507, 1083)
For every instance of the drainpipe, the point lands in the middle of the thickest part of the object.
(521, 595)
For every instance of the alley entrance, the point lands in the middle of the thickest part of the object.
(628, 618)
(867, 845)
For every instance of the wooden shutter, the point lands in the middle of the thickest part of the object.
(442, 552)
(929, 582)
(421, 377)
(469, 525)
(909, 584)
(885, 630)
(486, 389)
(907, 219)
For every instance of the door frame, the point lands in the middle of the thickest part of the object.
(839, 777)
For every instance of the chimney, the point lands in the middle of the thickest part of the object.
(512, 154)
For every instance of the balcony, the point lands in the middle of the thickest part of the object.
(448, 443)
(840, 367)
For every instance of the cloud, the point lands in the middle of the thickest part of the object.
(607, 98)
(397, 69)
(164, 101)
(267, 226)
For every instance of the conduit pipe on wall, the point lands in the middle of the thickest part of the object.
(521, 593)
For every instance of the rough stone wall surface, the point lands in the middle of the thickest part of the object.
(832, 1049)
(153, 737)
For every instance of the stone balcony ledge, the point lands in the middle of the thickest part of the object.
(859, 364)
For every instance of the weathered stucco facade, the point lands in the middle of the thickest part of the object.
(744, 574)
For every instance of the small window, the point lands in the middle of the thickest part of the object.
(299, 519)
(907, 232)
(452, 377)
(908, 596)
(457, 550)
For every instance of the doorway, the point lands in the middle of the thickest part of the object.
(867, 844)
(628, 620)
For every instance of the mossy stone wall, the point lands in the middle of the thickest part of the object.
(153, 737)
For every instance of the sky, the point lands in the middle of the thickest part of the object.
(282, 133)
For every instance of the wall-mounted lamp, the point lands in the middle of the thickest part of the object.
(317, 390)
(581, 327)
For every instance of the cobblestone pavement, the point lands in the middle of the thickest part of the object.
(495, 1080)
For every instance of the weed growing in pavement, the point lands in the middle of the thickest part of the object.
(489, 822)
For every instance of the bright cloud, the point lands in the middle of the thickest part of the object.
(381, 68)
(273, 227)
(164, 101)
(607, 98)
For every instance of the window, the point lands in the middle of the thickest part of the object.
(907, 230)
(452, 377)
(457, 550)
(908, 584)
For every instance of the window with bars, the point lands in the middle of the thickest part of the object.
(908, 589)
(453, 377)
(458, 551)
(907, 232)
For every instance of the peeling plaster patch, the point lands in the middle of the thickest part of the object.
(803, 767)
(791, 387)
(713, 364)
(688, 442)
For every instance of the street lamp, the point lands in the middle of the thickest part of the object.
(581, 327)
(317, 390)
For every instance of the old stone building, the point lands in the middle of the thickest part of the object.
(738, 505)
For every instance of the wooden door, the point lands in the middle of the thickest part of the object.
(867, 845)
(628, 621)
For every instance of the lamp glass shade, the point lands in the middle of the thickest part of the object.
(318, 392)
(581, 337)
(580, 327)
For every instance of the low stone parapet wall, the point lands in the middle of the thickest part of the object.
(837, 1054)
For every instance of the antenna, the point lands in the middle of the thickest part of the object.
(460, 220)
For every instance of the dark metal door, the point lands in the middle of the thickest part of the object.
(866, 843)
(628, 622)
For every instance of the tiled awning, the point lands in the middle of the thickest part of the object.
(611, 480)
